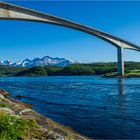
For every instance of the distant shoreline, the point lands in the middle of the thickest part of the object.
(132, 69)
(102, 76)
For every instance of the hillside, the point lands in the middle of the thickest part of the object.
(108, 69)
(10, 70)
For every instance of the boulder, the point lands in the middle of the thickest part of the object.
(4, 93)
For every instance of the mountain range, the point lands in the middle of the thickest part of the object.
(45, 61)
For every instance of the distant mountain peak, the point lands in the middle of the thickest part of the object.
(44, 61)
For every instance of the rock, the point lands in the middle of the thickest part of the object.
(21, 103)
(7, 110)
(2, 97)
(25, 110)
(19, 96)
(4, 93)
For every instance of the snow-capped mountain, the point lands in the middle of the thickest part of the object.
(45, 61)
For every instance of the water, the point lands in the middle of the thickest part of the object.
(94, 106)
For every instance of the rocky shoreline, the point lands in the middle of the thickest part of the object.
(40, 127)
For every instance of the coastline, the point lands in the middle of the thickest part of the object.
(47, 128)
(127, 75)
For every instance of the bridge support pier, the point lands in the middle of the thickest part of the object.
(120, 55)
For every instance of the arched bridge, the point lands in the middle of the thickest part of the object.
(13, 12)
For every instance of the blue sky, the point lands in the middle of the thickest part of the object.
(20, 39)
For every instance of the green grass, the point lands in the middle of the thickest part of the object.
(130, 73)
(133, 74)
(13, 127)
(4, 105)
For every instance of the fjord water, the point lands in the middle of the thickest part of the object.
(94, 106)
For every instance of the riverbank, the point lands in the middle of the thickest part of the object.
(129, 74)
(19, 121)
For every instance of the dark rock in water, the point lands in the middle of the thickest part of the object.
(19, 96)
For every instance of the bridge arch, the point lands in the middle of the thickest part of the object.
(13, 12)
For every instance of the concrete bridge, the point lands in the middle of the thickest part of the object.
(13, 12)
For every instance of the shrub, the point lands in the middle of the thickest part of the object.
(13, 127)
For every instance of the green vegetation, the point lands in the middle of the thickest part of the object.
(134, 73)
(75, 69)
(4, 105)
(35, 71)
(40, 71)
(105, 69)
(13, 127)
(128, 73)
(9, 70)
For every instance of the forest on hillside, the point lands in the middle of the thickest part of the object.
(74, 69)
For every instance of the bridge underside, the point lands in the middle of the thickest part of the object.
(13, 12)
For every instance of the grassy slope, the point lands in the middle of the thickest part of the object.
(130, 73)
